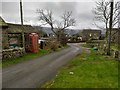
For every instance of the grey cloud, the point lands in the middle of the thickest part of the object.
(10, 7)
(81, 11)
(85, 16)
(10, 11)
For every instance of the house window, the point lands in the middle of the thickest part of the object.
(90, 35)
(14, 39)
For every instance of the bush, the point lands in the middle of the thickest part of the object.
(52, 44)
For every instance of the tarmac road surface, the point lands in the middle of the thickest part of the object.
(34, 73)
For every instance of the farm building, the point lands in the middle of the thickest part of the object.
(14, 30)
(12, 37)
(115, 35)
(91, 34)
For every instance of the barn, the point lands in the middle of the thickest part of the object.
(12, 38)
(91, 34)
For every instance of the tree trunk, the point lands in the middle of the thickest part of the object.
(110, 28)
(119, 45)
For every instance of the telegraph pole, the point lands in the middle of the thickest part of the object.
(21, 13)
(110, 27)
(119, 33)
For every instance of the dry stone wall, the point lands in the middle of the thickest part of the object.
(12, 53)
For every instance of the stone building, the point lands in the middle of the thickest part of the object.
(12, 38)
(115, 35)
(12, 33)
(91, 34)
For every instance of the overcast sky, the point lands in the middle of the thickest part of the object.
(81, 11)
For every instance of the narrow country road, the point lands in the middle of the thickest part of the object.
(33, 73)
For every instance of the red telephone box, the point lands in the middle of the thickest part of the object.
(33, 42)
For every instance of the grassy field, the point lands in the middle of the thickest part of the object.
(28, 56)
(87, 71)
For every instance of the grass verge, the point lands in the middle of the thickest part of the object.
(87, 71)
(25, 57)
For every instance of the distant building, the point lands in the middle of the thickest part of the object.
(91, 34)
(115, 34)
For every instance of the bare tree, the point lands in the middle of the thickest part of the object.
(102, 14)
(67, 20)
(108, 13)
(46, 16)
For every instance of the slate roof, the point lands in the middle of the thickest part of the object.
(91, 30)
(17, 28)
(2, 22)
(20, 28)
